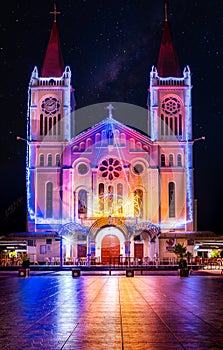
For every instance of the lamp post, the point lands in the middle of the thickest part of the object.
(199, 138)
(61, 251)
(202, 138)
(18, 138)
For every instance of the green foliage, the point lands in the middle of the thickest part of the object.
(215, 254)
(14, 217)
(180, 250)
(24, 256)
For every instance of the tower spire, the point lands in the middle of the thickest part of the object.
(168, 64)
(53, 65)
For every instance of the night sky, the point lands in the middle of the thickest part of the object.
(110, 47)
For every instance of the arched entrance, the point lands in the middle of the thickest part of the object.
(109, 245)
(110, 250)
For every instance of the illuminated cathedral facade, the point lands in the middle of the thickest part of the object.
(111, 191)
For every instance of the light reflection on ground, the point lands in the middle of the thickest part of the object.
(55, 311)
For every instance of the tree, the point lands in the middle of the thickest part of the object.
(14, 218)
(180, 250)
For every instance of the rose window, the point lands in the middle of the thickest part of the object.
(110, 168)
(171, 105)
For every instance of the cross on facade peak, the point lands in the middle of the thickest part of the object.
(55, 12)
(110, 109)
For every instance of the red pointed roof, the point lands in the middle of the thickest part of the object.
(53, 65)
(168, 64)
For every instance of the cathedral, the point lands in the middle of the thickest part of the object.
(110, 192)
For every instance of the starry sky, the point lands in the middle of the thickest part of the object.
(110, 47)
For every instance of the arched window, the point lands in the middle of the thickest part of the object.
(104, 140)
(98, 140)
(163, 160)
(171, 191)
(162, 125)
(57, 160)
(110, 197)
(110, 137)
(82, 146)
(171, 109)
(41, 125)
(175, 126)
(170, 160)
(41, 160)
(89, 144)
(166, 125)
(59, 124)
(82, 202)
(101, 193)
(116, 137)
(171, 126)
(180, 124)
(120, 198)
(50, 160)
(138, 203)
(45, 125)
(50, 125)
(49, 200)
(122, 139)
(179, 160)
(132, 145)
(54, 125)
(138, 146)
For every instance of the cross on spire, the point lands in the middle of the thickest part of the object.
(166, 11)
(55, 12)
(110, 109)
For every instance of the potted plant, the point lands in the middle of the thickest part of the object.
(181, 251)
(24, 270)
(25, 261)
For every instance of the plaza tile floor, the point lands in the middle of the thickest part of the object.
(55, 311)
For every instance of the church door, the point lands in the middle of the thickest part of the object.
(81, 250)
(110, 250)
(138, 252)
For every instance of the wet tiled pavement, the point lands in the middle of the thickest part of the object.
(55, 311)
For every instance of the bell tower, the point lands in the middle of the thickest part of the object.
(170, 127)
(50, 126)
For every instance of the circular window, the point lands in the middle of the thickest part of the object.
(171, 105)
(138, 168)
(82, 169)
(50, 105)
(110, 168)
